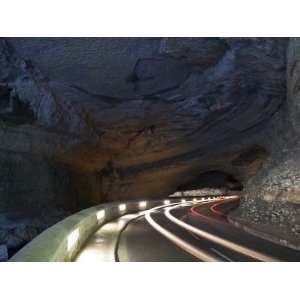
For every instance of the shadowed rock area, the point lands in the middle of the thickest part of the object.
(271, 199)
(91, 120)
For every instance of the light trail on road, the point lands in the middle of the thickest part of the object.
(218, 240)
(189, 230)
(200, 254)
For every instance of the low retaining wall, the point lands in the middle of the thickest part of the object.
(62, 241)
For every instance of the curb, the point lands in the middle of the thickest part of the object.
(266, 236)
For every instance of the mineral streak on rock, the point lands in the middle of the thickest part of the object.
(89, 120)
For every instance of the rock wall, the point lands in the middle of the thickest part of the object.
(271, 199)
(36, 193)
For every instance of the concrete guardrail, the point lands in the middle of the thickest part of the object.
(62, 241)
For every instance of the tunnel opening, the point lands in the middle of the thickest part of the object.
(210, 183)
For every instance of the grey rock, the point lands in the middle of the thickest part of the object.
(3, 253)
(203, 52)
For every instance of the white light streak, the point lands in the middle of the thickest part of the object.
(216, 239)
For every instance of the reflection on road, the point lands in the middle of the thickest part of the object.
(189, 230)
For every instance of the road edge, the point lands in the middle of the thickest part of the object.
(239, 223)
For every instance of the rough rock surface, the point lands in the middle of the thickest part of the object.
(200, 192)
(3, 253)
(271, 198)
(85, 120)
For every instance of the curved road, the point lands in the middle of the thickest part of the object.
(187, 231)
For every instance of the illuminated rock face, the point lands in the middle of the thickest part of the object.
(128, 118)
(271, 198)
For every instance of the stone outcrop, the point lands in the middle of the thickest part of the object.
(271, 199)
(88, 120)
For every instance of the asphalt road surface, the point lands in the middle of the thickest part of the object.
(188, 231)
